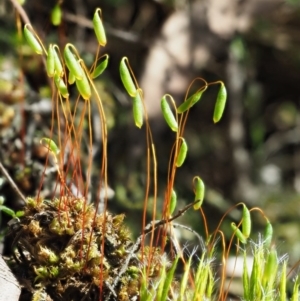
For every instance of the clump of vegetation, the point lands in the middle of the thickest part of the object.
(64, 249)
(67, 249)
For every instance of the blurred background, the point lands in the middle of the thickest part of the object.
(252, 155)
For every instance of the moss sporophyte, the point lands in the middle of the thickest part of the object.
(67, 249)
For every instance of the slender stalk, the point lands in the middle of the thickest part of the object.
(12, 183)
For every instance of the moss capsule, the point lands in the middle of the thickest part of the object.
(220, 104)
(127, 78)
(72, 62)
(61, 86)
(238, 233)
(56, 15)
(98, 28)
(182, 153)
(32, 41)
(51, 145)
(193, 99)
(199, 192)
(71, 78)
(137, 107)
(83, 87)
(50, 61)
(173, 202)
(246, 223)
(101, 67)
(168, 114)
(59, 70)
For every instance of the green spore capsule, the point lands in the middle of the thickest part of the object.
(32, 41)
(137, 107)
(238, 233)
(50, 66)
(182, 153)
(99, 28)
(71, 78)
(168, 114)
(192, 100)
(72, 62)
(173, 202)
(220, 104)
(199, 192)
(101, 67)
(51, 145)
(83, 87)
(126, 78)
(246, 223)
(61, 86)
(56, 15)
(59, 70)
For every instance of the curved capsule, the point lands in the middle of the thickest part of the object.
(71, 78)
(51, 145)
(32, 41)
(173, 202)
(72, 62)
(127, 78)
(59, 70)
(61, 86)
(168, 114)
(190, 101)
(83, 87)
(101, 67)
(182, 153)
(238, 233)
(138, 109)
(98, 28)
(56, 15)
(50, 67)
(220, 104)
(246, 222)
(199, 192)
